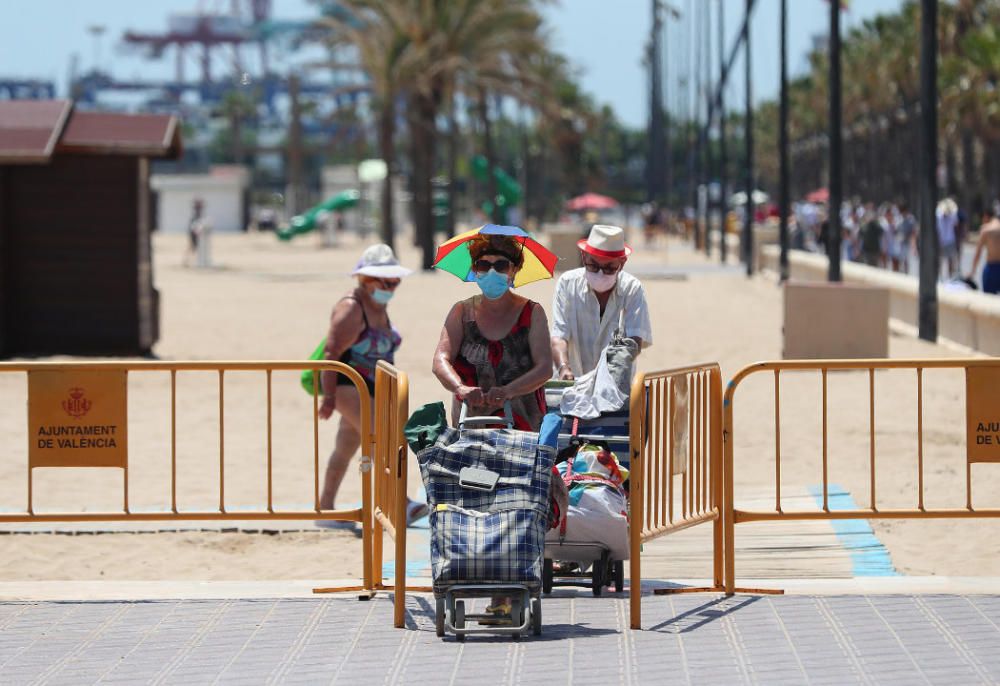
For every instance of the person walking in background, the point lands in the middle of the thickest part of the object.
(947, 219)
(196, 227)
(360, 335)
(589, 301)
(871, 238)
(906, 234)
(989, 242)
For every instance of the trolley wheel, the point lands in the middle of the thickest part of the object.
(439, 617)
(458, 615)
(599, 574)
(619, 576)
(547, 574)
(536, 616)
(596, 579)
(517, 611)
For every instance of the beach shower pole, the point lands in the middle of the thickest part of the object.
(836, 191)
(929, 247)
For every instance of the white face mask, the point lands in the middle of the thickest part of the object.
(600, 281)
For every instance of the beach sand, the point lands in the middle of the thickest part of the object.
(268, 300)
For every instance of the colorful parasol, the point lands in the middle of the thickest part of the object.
(590, 201)
(453, 255)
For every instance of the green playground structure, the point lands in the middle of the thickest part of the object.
(508, 190)
(307, 221)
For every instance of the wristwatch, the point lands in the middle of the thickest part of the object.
(563, 365)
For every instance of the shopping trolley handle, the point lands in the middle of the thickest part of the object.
(466, 422)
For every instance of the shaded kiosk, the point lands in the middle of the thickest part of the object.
(76, 274)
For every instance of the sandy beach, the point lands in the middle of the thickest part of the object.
(268, 300)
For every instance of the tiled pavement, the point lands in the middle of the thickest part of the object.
(695, 639)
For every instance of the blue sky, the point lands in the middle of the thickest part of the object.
(604, 38)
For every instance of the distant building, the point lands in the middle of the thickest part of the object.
(223, 191)
(76, 271)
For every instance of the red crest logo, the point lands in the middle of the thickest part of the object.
(76, 406)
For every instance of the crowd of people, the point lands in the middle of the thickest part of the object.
(886, 236)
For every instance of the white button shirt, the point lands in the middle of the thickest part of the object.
(576, 317)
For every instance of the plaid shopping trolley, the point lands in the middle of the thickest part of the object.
(488, 493)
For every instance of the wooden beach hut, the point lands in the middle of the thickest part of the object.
(76, 274)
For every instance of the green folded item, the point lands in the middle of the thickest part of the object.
(310, 380)
(425, 425)
(559, 383)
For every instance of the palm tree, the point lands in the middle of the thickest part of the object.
(378, 31)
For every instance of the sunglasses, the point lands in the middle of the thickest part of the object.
(502, 266)
(594, 267)
(388, 284)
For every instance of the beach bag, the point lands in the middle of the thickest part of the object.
(487, 536)
(309, 379)
(598, 507)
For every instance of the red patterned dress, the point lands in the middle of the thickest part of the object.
(486, 363)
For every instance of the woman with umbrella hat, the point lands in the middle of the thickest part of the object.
(494, 347)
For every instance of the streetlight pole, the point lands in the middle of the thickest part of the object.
(836, 190)
(707, 147)
(723, 163)
(748, 139)
(655, 154)
(929, 247)
(783, 199)
(699, 162)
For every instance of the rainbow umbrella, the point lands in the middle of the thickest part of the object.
(453, 255)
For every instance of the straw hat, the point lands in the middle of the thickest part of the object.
(605, 241)
(380, 262)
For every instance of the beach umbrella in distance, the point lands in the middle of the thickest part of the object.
(590, 201)
(819, 195)
(539, 262)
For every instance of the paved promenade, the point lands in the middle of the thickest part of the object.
(690, 638)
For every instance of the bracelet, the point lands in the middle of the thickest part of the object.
(564, 364)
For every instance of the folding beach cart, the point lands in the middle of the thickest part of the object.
(599, 557)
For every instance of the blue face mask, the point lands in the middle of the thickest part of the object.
(382, 297)
(492, 284)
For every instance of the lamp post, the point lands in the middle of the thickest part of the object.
(783, 199)
(748, 140)
(929, 248)
(836, 191)
(707, 147)
(655, 155)
(723, 178)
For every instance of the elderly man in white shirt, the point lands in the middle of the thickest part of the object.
(590, 300)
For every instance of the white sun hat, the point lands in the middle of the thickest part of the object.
(380, 262)
(605, 241)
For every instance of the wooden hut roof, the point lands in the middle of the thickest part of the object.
(32, 130)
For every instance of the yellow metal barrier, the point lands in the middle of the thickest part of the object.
(99, 442)
(675, 437)
(391, 412)
(987, 370)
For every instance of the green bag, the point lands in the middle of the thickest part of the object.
(424, 426)
(311, 381)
